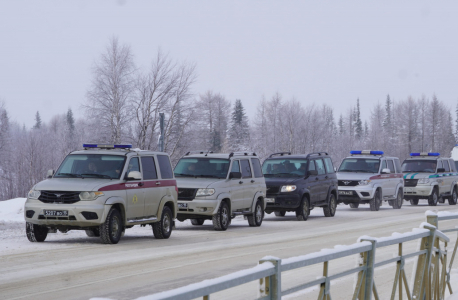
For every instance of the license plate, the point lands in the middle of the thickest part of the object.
(270, 200)
(345, 192)
(182, 205)
(56, 213)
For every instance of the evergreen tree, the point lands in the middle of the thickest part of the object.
(358, 122)
(456, 124)
(37, 121)
(341, 125)
(239, 132)
(70, 120)
(387, 120)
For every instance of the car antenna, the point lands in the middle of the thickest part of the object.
(208, 152)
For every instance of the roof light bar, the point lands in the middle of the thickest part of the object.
(425, 154)
(107, 146)
(366, 152)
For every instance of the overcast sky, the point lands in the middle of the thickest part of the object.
(316, 51)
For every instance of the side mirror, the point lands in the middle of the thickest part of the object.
(312, 173)
(50, 174)
(235, 175)
(440, 170)
(335, 169)
(386, 171)
(134, 175)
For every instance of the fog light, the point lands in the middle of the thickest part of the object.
(29, 213)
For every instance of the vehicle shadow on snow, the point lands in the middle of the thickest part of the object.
(209, 227)
(287, 218)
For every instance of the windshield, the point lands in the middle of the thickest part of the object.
(419, 166)
(363, 165)
(91, 165)
(284, 167)
(202, 167)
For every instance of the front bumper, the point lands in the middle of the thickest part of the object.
(352, 194)
(282, 202)
(80, 214)
(197, 207)
(418, 191)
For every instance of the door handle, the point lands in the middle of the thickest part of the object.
(158, 183)
(240, 182)
(141, 184)
(326, 177)
(252, 181)
(316, 178)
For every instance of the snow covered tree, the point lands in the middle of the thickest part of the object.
(358, 122)
(239, 131)
(37, 121)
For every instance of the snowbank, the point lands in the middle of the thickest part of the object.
(12, 210)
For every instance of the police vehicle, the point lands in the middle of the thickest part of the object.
(429, 176)
(103, 190)
(368, 177)
(218, 187)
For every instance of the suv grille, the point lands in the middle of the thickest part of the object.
(273, 189)
(61, 197)
(410, 182)
(186, 194)
(348, 182)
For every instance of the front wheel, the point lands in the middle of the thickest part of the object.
(303, 211)
(255, 220)
(375, 202)
(36, 233)
(433, 198)
(222, 218)
(163, 228)
(453, 197)
(397, 204)
(281, 213)
(330, 209)
(111, 229)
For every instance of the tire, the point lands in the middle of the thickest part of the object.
(375, 202)
(453, 197)
(163, 228)
(433, 198)
(255, 220)
(36, 233)
(281, 213)
(413, 201)
(197, 221)
(94, 232)
(397, 204)
(354, 205)
(330, 209)
(221, 219)
(303, 211)
(111, 229)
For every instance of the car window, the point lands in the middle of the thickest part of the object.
(320, 166)
(312, 165)
(439, 165)
(148, 167)
(397, 164)
(235, 166)
(329, 166)
(360, 165)
(420, 165)
(446, 166)
(165, 167)
(452, 165)
(383, 165)
(391, 166)
(284, 167)
(246, 169)
(256, 167)
(133, 165)
(202, 167)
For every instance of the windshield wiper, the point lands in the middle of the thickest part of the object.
(184, 175)
(70, 174)
(98, 175)
(211, 176)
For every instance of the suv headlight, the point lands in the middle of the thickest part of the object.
(364, 182)
(88, 196)
(205, 192)
(423, 180)
(288, 188)
(33, 194)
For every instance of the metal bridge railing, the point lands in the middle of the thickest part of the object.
(431, 275)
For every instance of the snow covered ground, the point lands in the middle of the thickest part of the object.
(74, 266)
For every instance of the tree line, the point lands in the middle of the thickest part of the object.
(123, 104)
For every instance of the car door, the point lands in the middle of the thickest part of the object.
(135, 192)
(151, 186)
(446, 177)
(392, 181)
(258, 182)
(237, 190)
(322, 179)
(440, 178)
(313, 183)
(247, 177)
(166, 181)
(331, 179)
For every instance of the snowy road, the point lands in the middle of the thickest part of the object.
(73, 266)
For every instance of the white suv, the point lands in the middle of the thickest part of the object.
(103, 190)
(219, 187)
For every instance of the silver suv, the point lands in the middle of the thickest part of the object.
(219, 187)
(429, 176)
(369, 177)
(103, 190)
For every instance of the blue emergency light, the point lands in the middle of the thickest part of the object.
(424, 154)
(366, 152)
(107, 146)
